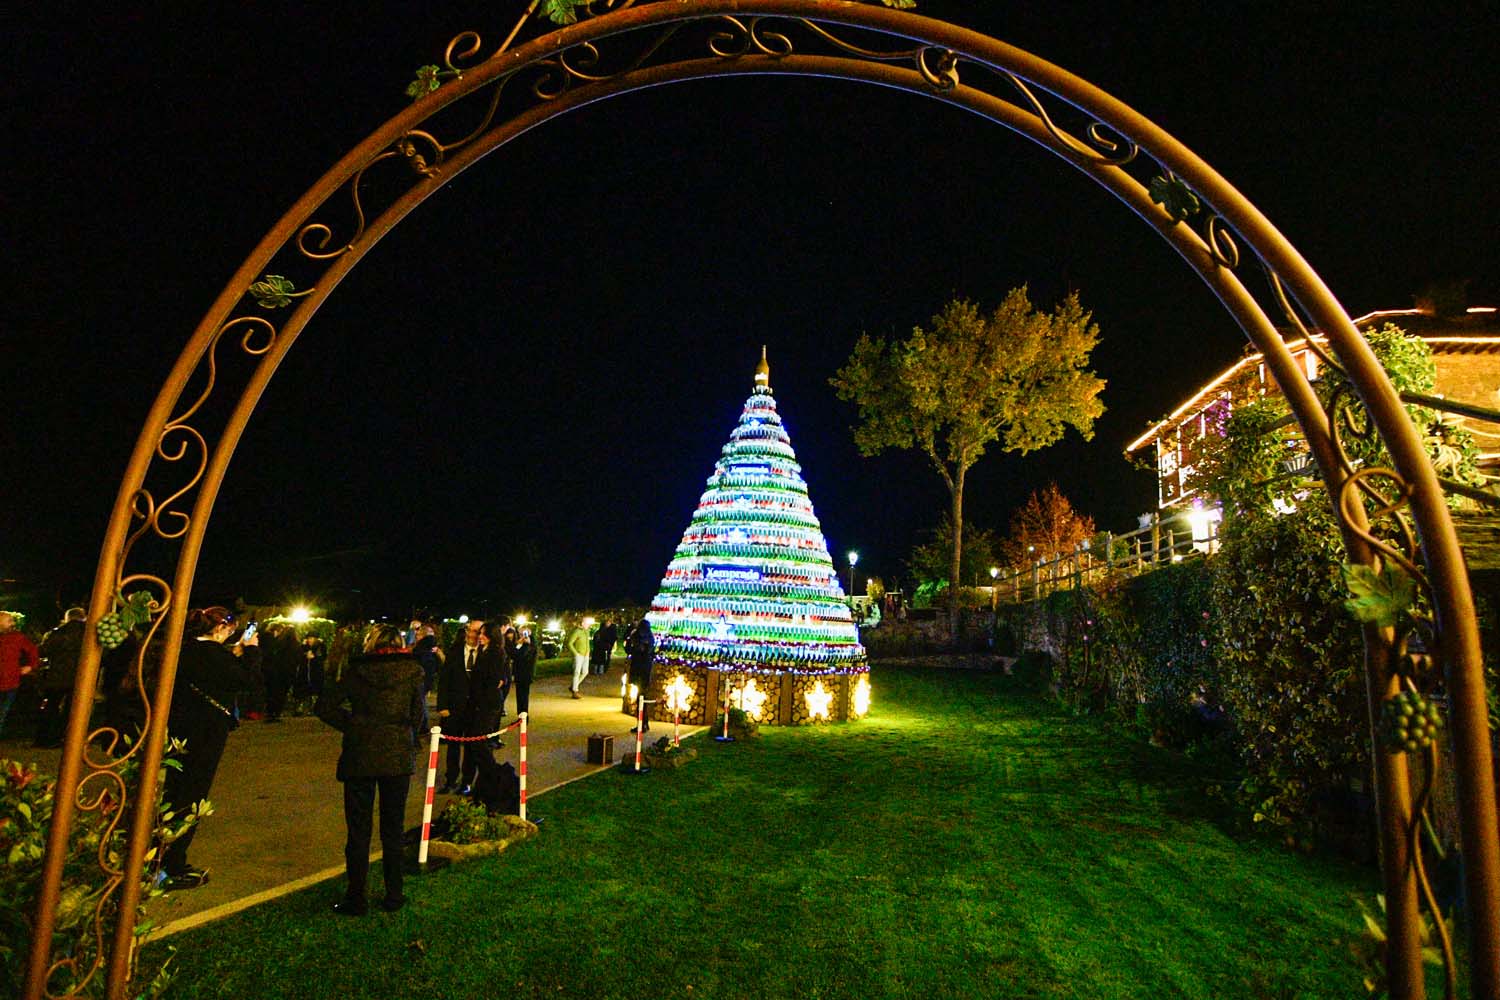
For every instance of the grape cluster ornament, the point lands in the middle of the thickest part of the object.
(1409, 722)
(114, 628)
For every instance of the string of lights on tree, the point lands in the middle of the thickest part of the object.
(751, 588)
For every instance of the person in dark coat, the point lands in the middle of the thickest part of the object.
(379, 706)
(60, 652)
(468, 705)
(492, 641)
(522, 653)
(283, 660)
(640, 645)
(428, 654)
(209, 677)
(605, 638)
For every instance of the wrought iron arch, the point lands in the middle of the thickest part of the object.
(479, 102)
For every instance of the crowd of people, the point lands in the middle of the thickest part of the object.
(372, 682)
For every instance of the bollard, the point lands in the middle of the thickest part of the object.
(640, 724)
(523, 765)
(676, 721)
(432, 762)
(724, 737)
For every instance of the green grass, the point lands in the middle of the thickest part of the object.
(966, 840)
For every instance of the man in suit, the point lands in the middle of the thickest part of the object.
(468, 705)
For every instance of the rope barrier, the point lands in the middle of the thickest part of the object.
(432, 763)
(487, 736)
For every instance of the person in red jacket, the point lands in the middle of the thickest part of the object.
(18, 657)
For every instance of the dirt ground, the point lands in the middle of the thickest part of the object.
(278, 812)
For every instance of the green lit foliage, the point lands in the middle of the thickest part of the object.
(1369, 949)
(1289, 662)
(1409, 363)
(27, 800)
(1143, 645)
(466, 821)
(1017, 376)
(932, 560)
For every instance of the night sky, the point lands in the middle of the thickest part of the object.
(515, 399)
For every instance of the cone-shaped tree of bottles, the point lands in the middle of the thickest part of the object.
(751, 609)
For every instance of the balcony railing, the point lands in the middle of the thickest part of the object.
(1163, 539)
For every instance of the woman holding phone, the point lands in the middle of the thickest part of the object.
(210, 674)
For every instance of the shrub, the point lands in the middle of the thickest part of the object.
(27, 800)
(741, 726)
(464, 821)
(1290, 664)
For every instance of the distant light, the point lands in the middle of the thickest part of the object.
(554, 625)
(994, 572)
(463, 619)
(299, 614)
(1480, 309)
(588, 622)
(521, 618)
(853, 558)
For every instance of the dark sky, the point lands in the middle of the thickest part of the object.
(517, 396)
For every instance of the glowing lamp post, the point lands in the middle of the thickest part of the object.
(994, 588)
(853, 559)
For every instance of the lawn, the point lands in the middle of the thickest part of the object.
(966, 840)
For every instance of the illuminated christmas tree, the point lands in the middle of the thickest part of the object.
(751, 600)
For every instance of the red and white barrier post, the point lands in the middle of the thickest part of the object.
(432, 762)
(724, 737)
(640, 728)
(640, 736)
(522, 768)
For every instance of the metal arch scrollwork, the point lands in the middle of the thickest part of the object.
(939, 67)
(1109, 153)
(476, 103)
(1221, 243)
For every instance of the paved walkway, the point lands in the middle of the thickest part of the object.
(278, 821)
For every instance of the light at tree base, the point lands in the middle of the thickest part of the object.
(751, 599)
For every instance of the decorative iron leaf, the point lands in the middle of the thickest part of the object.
(1172, 193)
(562, 11)
(274, 292)
(136, 609)
(426, 82)
(1379, 597)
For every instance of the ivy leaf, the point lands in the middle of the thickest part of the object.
(1172, 193)
(562, 11)
(274, 292)
(426, 82)
(900, 4)
(1379, 597)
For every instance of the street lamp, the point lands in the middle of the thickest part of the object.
(853, 558)
(994, 587)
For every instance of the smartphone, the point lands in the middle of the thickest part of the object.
(249, 631)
